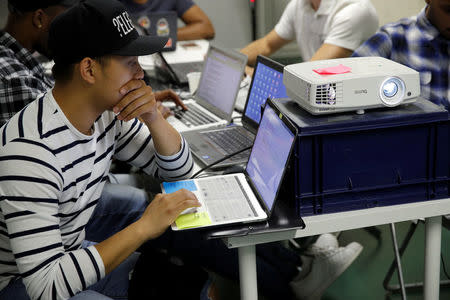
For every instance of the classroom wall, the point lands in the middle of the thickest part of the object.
(232, 18)
(3, 12)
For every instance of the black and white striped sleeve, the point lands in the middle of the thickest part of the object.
(30, 187)
(136, 147)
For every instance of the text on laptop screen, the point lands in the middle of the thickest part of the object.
(267, 83)
(220, 80)
(269, 155)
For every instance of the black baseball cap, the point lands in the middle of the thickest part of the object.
(32, 5)
(94, 28)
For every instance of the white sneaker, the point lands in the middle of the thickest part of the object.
(326, 266)
(324, 241)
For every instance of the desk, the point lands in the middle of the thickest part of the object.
(430, 210)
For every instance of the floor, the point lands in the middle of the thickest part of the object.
(364, 278)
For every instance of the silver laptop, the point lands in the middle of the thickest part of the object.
(213, 102)
(210, 145)
(243, 197)
(176, 72)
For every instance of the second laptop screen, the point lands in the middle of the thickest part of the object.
(220, 80)
(267, 83)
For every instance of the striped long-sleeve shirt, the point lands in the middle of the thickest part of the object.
(51, 177)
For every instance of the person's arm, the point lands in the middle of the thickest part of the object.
(266, 46)
(160, 213)
(158, 149)
(328, 51)
(197, 25)
(139, 102)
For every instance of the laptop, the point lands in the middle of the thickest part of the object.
(162, 23)
(176, 72)
(243, 197)
(210, 145)
(213, 102)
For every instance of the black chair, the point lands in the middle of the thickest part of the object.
(396, 263)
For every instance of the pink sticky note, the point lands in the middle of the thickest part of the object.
(340, 69)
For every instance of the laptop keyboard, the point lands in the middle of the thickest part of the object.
(225, 195)
(193, 116)
(230, 140)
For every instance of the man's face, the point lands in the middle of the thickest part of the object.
(439, 15)
(115, 73)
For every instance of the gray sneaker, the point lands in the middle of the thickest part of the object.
(327, 264)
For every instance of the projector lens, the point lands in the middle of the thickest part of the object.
(392, 91)
(390, 88)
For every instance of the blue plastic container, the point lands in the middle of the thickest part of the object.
(384, 157)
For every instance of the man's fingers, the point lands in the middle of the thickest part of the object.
(131, 85)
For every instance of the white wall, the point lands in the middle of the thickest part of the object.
(3, 12)
(391, 11)
(231, 20)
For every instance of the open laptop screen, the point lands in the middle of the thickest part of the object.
(220, 79)
(267, 83)
(269, 155)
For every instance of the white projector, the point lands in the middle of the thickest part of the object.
(350, 84)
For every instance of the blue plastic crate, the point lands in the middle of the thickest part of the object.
(383, 157)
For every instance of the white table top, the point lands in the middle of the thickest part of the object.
(324, 223)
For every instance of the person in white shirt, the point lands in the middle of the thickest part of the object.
(323, 29)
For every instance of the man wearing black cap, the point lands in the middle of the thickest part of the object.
(55, 156)
(22, 76)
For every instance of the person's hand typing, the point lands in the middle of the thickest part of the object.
(170, 95)
(163, 211)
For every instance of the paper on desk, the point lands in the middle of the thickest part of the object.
(193, 220)
(188, 51)
(340, 69)
(170, 187)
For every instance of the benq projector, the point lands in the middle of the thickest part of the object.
(347, 84)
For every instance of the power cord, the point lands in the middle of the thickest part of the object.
(219, 161)
(443, 267)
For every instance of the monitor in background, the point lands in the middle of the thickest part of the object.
(162, 23)
(212, 88)
(267, 83)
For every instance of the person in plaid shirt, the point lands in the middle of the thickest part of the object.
(22, 76)
(420, 42)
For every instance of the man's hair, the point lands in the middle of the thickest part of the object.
(62, 72)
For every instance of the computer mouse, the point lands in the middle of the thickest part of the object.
(234, 169)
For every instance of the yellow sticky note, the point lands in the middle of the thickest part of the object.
(193, 220)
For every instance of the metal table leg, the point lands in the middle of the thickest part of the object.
(247, 273)
(432, 257)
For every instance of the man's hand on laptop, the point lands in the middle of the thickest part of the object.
(170, 95)
(163, 211)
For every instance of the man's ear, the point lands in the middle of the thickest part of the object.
(39, 19)
(87, 70)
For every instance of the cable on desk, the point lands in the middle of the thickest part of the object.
(443, 267)
(219, 161)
